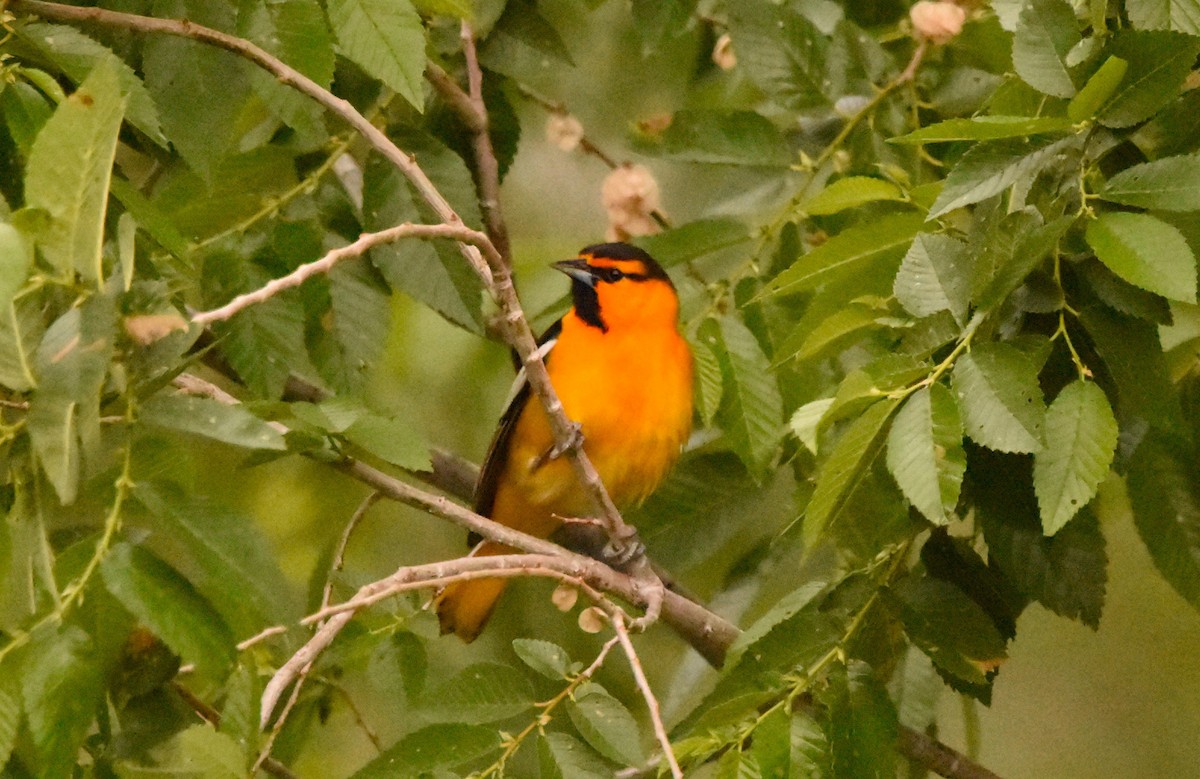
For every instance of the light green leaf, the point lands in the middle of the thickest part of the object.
(694, 240)
(16, 257)
(991, 167)
(432, 748)
(985, 128)
(606, 725)
(212, 419)
(21, 330)
(849, 461)
(849, 252)
(708, 386)
(390, 439)
(69, 169)
(1168, 184)
(997, 389)
(751, 412)
(935, 276)
(850, 192)
(925, 452)
(386, 39)
(1158, 64)
(165, 602)
(547, 658)
(478, 694)
(126, 248)
(562, 756)
(724, 138)
(10, 705)
(807, 341)
(1097, 90)
(1046, 33)
(1080, 441)
(62, 686)
(1179, 15)
(1146, 252)
(1166, 508)
(200, 752)
(806, 419)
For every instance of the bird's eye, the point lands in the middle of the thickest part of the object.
(613, 274)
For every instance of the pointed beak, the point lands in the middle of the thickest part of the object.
(579, 270)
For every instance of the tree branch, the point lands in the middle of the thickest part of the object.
(639, 675)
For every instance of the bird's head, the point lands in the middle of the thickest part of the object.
(615, 285)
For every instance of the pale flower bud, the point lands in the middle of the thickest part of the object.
(630, 195)
(564, 131)
(937, 21)
(145, 329)
(722, 53)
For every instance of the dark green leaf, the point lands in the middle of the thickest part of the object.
(751, 413)
(431, 748)
(165, 602)
(1158, 64)
(1080, 441)
(523, 34)
(1009, 258)
(1134, 359)
(547, 658)
(63, 689)
(212, 419)
(1046, 33)
(948, 626)
(935, 276)
(1166, 508)
(1168, 184)
(480, 693)
(771, 748)
(296, 32)
(993, 166)
(862, 725)
(783, 53)
(808, 341)
(997, 390)
(69, 169)
(265, 342)
(985, 128)
(1147, 252)
(386, 39)
(356, 328)
(25, 112)
(658, 21)
(925, 452)
(606, 725)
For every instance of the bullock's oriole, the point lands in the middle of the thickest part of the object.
(624, 374)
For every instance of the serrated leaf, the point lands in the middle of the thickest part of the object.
(1180, 15)
(1168, 184)
(784, 609)
(806, 419)
(431, 748)
(990, 167)
(391, 439)
(480, 693)
(386, 39)
(523, 34)
(850, 192)
(744, 138)
(949, 627)
(851, 251)
(77, 55)
(934, 276)
(16, 257)
(1046, 33)
(200, 751)
(62, 687)
(862, 724)
(708, 386)
(165, 602)
(1080, 436)
(562, 756)
(783, 53)
(212, 419)
(850, 459)
(1133, 356)
(25, 111)
(807, 341)
(1008, 260)
(356, 327)
(68, 172)
(751, 413)
(997, 390)
(1146, 252)
(925, 452)
(1166, 509)
(1158, 64)
(1098, 89)
(694, 240)
(606, 725)
(547, 658)
(265, 342)
(985, 128)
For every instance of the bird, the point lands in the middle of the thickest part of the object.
(623, 372)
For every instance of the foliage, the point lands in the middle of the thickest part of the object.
(924, 311)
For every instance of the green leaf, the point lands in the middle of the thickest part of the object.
(784, 609)
(25, 112)
(783, 53)
(724, 138)
(925, 452)
(1098, 89)
(1007, 259)
(165, 602)
(265, 342)
(852, 251)
(985, 128)
(708, 384)
(10, 706)
(77, 55)
(991, 167)
(356, 328)
(562, 756)
(807, 341)
(1080, 440)
(806, 419)
(659, 21)
(1165, 496)
(751, 412)
(202, 752)
(390, 439)
(1046, 33)
(606, 725)
(849, 461)
(1180, 15)
(1134, 358)
(935, 276)
(21, 330)
(16, 257)
(212, 419)
(771, 747)
(1146, 252)
(1168, 184)
(480, 693)
(432, 748)
(1158, 64)
(956, 634)
(547, 658)
(850, 192)
(63, 689)
(69, 168)
(862, 724)
(523, 35)
(694, 240)
(997, 390)
(386, 39)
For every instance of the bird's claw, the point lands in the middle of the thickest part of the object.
(573, 440)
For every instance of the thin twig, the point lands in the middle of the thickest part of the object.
(639, 675)
(486, 164)
(339, 554)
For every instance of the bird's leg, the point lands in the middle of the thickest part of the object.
(619, 552)
(559, 449)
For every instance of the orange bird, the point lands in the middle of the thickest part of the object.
(624, 374)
